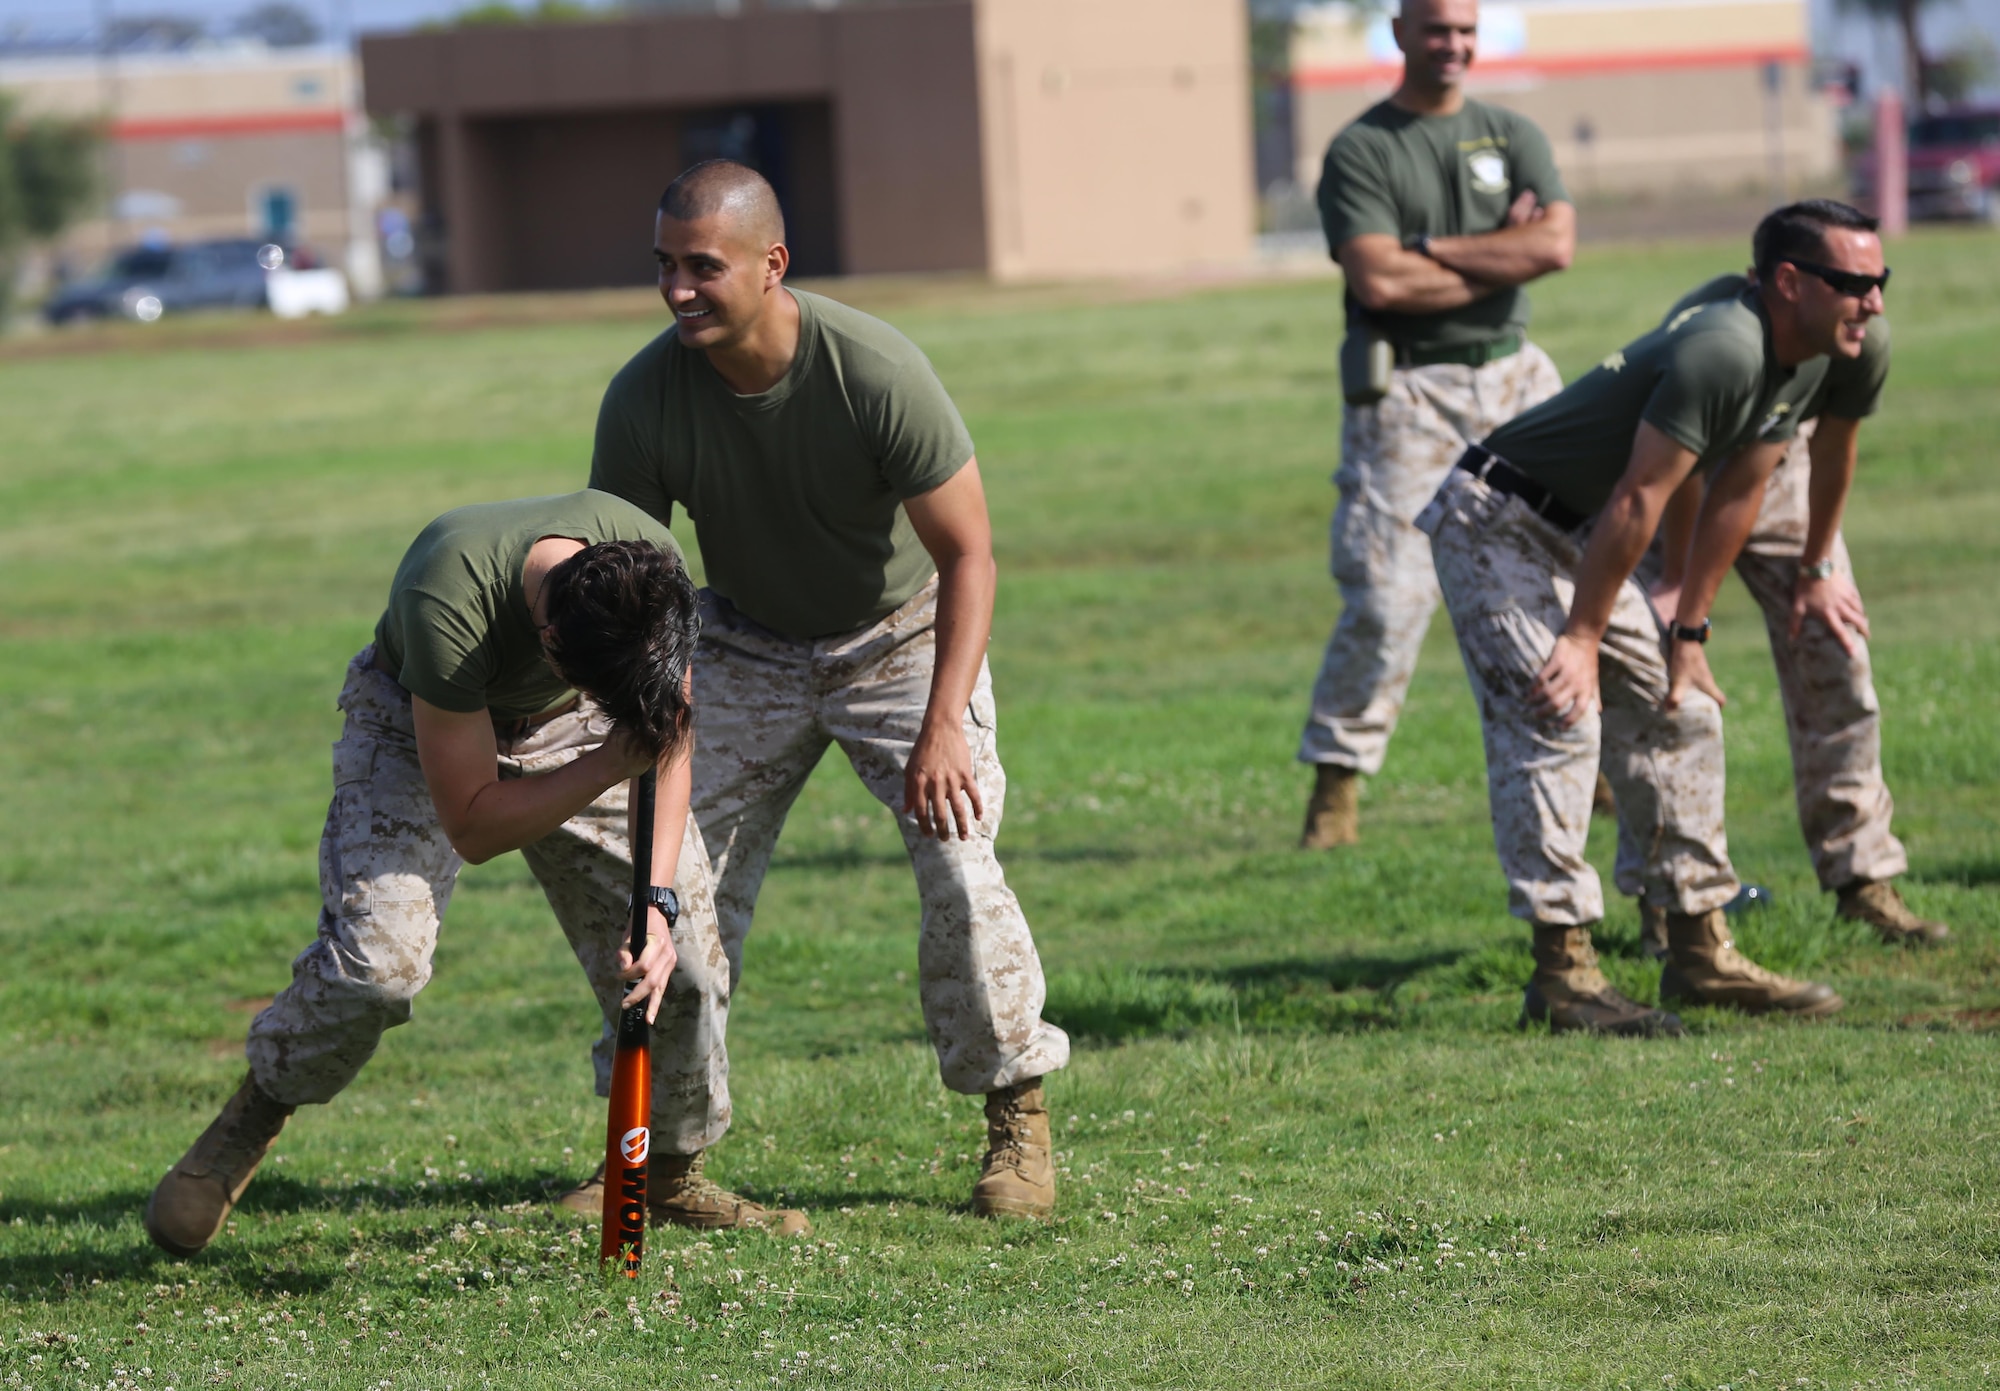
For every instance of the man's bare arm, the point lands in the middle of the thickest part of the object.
(1385, 276)
(1833, 450)
(1566, 688)
(1728, 514)
(951, 521)
(1514, 254)
(1676, 535)
(1832, 601)
(673, 786)
(484, 816)
(1391, 280)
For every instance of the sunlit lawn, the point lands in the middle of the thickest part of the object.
(1302, 1142)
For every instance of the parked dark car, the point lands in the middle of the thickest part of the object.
(147, 281)
(1954, 166)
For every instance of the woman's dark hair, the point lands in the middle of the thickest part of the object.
(624, 625)
(1797, 232)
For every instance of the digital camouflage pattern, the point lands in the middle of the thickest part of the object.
(1508, 580)
(1831, 713)
(769, 707)
(386, 876)
(1393, 456)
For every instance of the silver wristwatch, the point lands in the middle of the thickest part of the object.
(1818, 570)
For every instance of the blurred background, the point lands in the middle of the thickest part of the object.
(174, 154)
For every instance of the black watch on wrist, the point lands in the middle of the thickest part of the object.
(1683, 633)
(666, 900)
(1422, 245)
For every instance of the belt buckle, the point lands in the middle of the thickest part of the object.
(1487, 459)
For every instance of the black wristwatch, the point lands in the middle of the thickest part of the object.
(1683, 633)
(1422, 245)
(666, 900)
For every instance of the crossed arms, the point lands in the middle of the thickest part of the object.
(1386, 277)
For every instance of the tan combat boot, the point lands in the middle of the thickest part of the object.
(1019, 1177)
(587, 1198)
(1333, 814)
(1652, 931)
(678, 1193)
(1570, 993)
(1704, 968)
(192, 1202)
(1877, 903)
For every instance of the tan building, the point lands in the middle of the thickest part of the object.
(1020, 138)
(1636, 96)
(231, 141)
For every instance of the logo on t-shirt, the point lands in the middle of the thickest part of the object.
(1488, 169)
(1774, 419)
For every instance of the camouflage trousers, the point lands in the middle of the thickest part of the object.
(1508, 578)
(386, 873)
(768, 708)
(1393, 456)
(1831, 713)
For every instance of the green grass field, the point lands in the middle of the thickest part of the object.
(1302, 1142)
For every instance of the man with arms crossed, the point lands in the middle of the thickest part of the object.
(1797, 568)
(1438, 209)
(849, 559)
(465, 738)
(1540, 608)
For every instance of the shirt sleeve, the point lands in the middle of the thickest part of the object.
(625, 458)
(916, 432)
(442, 658)
(1534, 164)
(1703, 398)
(1853, 387)
(1355, 198)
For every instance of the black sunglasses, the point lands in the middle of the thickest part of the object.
(1846, 282)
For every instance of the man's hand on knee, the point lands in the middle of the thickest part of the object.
(1565, 689)
(938, 786)
(1835, 603)
(1687, 670)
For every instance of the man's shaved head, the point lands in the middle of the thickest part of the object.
(736, 191)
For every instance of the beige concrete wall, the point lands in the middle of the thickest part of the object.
(897, 164)
(266, 84)
(1673, 92)
(1680, 130)
(1115, 135)
(209, 129)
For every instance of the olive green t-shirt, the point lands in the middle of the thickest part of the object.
(1403, 175)
(457, 630)
(1707, 378)
(796, 492)
(1852, 388)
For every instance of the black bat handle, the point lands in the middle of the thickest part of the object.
(642, 859)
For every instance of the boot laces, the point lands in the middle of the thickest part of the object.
(1007, 1139)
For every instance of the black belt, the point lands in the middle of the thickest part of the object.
(1501, 476)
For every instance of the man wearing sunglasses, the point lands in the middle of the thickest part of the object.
(1536, 535)
(1797, 569)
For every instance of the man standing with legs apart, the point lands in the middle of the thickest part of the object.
(1537, 533)
(466, 737)
(842, 521)
(1797, 568)
(1438, 209)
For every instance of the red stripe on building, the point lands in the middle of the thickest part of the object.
(1565, 65)
(209, 127)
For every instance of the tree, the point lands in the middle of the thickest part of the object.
(279, 24)
(1921, 76)
(48, 177)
